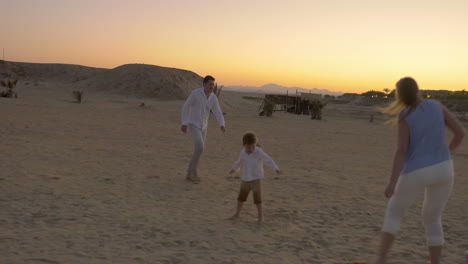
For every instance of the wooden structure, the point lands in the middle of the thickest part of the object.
(274, 102)
(311, 96)
(304, 104)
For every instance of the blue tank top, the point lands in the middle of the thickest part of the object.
(427, 144)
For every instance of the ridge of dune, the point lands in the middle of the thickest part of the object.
(139, 80)
(144, 80)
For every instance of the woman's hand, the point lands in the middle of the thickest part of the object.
(389, 190)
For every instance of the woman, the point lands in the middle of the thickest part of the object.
(422, 161)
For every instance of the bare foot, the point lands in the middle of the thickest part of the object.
(189, 177)
(379, 261)
(234, 217)
(196, 180)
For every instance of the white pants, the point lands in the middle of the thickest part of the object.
(199, 139)
(437, 181)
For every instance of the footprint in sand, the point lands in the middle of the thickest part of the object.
(42, 260)
(108, 180)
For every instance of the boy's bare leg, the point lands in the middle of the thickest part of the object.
(238, 209)
(193, 178)
(386, 242)
(260, 212)
(435, 252)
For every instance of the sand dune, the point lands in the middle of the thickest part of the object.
(146, 81)
(64, 73)
(135, 80)
(103, 182)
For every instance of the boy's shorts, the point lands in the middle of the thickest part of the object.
(246, 187)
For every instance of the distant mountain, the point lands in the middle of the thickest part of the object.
(278, 89)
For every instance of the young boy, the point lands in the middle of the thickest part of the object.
(251, 160)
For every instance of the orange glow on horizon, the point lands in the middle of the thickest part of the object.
(334, 45)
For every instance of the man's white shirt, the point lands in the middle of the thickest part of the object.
(197, 107)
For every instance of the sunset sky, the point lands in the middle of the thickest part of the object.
(340, 45)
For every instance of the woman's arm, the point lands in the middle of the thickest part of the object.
(455, 126)
(399, 157)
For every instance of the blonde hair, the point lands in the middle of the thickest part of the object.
(406, 95)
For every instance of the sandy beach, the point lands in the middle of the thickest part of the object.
(103, 182)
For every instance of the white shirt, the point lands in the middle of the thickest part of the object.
(252, 164)
(196, 109)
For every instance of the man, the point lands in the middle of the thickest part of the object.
(195, 113)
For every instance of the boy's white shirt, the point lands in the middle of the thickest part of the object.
(196, 109)
(252, 164)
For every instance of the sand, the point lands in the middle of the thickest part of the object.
(103, 182)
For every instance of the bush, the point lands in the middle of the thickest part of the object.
(373, 93)
(78, 96)
(11, 84)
